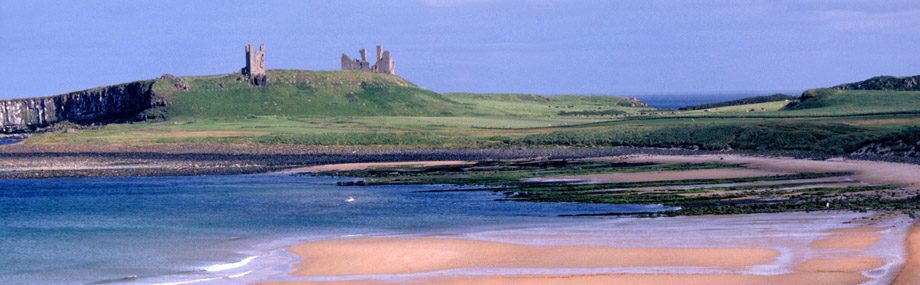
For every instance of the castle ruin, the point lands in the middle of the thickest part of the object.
(255, 65)
(384, 63)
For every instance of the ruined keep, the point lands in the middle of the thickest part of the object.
(255, 65)
(384, 63)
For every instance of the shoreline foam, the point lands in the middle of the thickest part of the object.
(910, 272)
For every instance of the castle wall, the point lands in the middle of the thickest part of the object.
(384, 64)
(355, 64)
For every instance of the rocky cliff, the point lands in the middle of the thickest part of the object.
(122, 101)
(910, 83)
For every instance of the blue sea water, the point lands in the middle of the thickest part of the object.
(176, 229)
(675, 101)
(6, 141)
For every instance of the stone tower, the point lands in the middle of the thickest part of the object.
(255, 61)
(384, 63)
(255, 65)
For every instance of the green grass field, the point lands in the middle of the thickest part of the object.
(355, 108)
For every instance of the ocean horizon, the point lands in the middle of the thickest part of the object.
(677, 100)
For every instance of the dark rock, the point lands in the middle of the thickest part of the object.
(910, 83)
(98, 105)
(182, 85)
(259, 80)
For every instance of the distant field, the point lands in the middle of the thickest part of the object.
(758, 108)
(525, 105)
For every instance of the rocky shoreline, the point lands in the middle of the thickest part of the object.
(49, 161)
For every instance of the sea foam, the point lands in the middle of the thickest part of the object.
(226, 266)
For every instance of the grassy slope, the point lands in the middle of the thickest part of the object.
(541, 106)
(838, 102)
(303, 93)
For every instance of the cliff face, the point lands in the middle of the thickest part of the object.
(911, 83)
(101, 104)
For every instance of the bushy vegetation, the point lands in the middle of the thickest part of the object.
(501, 173)
(710, 138)
(355, 139)
(834, 139)
(592, 113)
(904, 142)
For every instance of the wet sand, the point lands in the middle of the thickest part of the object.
(664, 175)
(911, 272)
(399, 256)
(875, 172)
(701, 279)
(859, 240)
(752, 249)
(366, 165)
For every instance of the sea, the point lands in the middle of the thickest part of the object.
(10, 140)
(677, 100)
(198, 229)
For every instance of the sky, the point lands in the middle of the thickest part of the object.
(521, 46)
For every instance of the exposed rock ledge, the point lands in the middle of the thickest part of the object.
(122, 101)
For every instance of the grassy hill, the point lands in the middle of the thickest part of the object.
(828, 101)
(301, 93)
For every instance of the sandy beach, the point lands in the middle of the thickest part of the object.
(911, 272)
(400, 256)
(876, 172)
(788, 248)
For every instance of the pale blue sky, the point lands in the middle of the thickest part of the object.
(530, 46)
